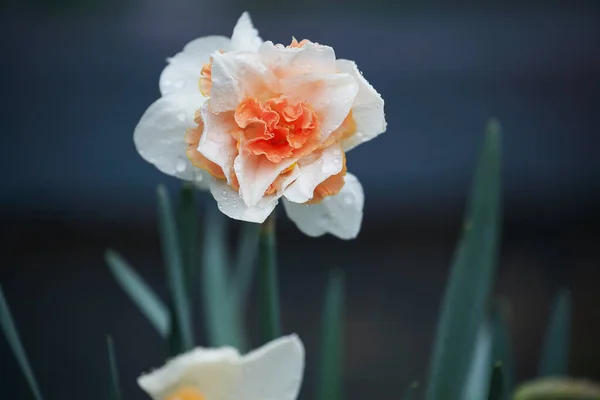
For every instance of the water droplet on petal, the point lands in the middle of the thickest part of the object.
(336, 160)
(199, 178)
(224, 193)
(180, 165)
(348, 198)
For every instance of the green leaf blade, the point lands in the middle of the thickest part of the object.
(471, 277)
(555, 353)
(502, 348)
(496, 389)
(268, 288)
(187, 225)
(245, 264)
(171, 248)
(139, 292)
(12, 337)
(330, 374)
(114, 387)
(222, 320)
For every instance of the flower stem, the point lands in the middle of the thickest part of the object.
(270, 325)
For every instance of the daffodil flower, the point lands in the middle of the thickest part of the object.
(272, 372)
(255, 122)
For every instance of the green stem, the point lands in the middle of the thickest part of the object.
(268, 286)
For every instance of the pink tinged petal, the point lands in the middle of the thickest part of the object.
(237, 75)
(273, 372)
(314, 169)
(255, 174)
(182, 73)
(159, 136)
(339, 215)
(231, 204)
(367, 110)
(331, 96)
(216, 142)
(288, 61)
(245, 36)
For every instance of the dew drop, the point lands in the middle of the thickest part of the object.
(234, 204)
(336, 160)
(180, 165)
(349, 198)
(199, 178)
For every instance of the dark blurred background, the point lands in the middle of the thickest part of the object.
(76, 75)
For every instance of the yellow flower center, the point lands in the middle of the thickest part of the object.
(186, 393)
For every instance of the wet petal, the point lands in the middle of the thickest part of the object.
(291, 61)
(245, 35)
(182, 74)
(160, 136)
(231, 204)
(340, 215)
(367, 110)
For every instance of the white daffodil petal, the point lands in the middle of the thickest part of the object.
(340, 215)
(330, 95)
(231, 204)
(182, 74)
(367, 110)
(245, 35)
(216, 142)
(255, 174)
(159, 136)
(292, 61)
(313, 171)
(273, 372)
(211, 372)
(236, 75)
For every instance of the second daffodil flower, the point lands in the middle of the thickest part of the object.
(273, 372)
(253, 121)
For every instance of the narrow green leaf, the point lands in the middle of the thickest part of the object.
(408, 395)
(477, 381)
(222, 322)
(471, 277)
(14, 342)
(187, 224)
(174, 264)
(114, 387)
(555, 353)
(330, 374)
(268, 291)
(496, 390)
(140, 293)
(245, 265)
(502, 347)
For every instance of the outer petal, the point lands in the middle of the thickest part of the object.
(213, 372)
(216, 142)
(274, 371)
(245, 36)
(367, 109)
(331, 96)
(313, 171)
(255, 174)
(288, 61)
(231, 204)
(183, 72)
(159, 136)
(236, 75)
(340, 215)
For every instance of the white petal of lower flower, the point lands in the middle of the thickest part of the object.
(273, 372)
(236, 75)
(159, 136)
(245, 35)
(182, 73)
(231, 204)
(367, 110)
(216, 142)
(310, 58)
(331, 96)
(255, 174)
(340, 215)
(213, 373)
(314, 169)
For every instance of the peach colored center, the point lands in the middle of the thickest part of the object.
(276, 128)
(187, 393)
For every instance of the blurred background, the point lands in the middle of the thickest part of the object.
(76, 75)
